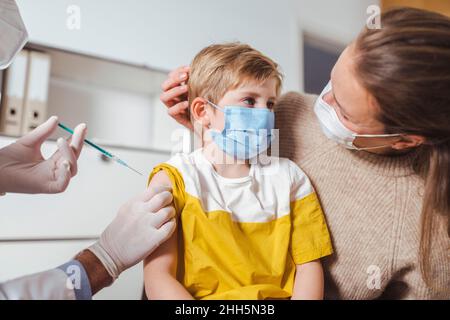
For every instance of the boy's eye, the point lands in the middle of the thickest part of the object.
(250, 101)
(270, 104)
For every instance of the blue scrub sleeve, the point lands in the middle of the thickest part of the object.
(77, 275)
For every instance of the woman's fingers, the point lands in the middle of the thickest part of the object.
(174, 88)
(174, 95)
(175, 78)
(178, 109)
(180, 113)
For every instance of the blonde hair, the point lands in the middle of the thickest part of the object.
(223, 67)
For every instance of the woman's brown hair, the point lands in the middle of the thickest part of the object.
(405, 65)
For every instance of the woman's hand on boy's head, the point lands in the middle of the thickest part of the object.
(174, 96)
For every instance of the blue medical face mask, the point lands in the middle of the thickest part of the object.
(247, 131)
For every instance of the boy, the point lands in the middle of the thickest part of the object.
(247, 229)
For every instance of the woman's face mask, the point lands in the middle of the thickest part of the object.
(335, 130)
(247, 131)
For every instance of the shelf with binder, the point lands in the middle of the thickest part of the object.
(119, 102)
(13, 91)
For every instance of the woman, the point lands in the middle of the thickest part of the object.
(387, 199)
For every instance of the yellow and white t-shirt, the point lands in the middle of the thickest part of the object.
(241, 238)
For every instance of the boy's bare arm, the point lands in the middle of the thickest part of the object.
(160, 274)
(160, 268)
(308, 281)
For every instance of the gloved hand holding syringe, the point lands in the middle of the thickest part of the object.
(103, 151)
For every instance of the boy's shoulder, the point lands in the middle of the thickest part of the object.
(187, 162)
(186, 156)
(281, 168)
(281, 175)
(179, 158)
(281, 162)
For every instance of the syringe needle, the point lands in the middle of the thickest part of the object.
(106, 153)
(134, 170)
(126, 165)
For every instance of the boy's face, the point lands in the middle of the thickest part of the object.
(250, 95)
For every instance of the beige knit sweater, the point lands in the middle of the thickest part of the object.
(372, 204)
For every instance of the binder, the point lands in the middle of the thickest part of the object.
(35, 104)
(13, 95)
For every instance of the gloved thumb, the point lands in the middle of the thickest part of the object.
(40, 134)
(167, 229)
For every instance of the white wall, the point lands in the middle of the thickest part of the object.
(166, 34)
(336, 20)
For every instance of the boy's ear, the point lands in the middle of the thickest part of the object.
(198, 111)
